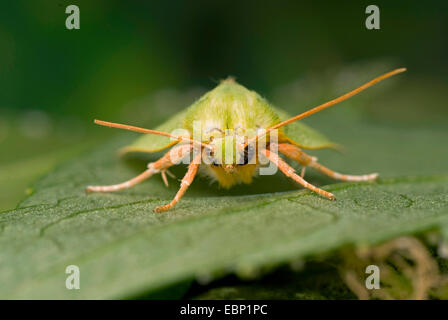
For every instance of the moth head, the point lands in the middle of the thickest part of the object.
(229, 151)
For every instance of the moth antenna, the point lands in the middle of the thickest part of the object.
(332, 102)
(143, 130)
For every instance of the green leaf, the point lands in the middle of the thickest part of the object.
(16, 177)
(125, 250)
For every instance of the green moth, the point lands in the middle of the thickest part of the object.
(228, 133)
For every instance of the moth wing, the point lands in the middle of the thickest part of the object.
(302, 135)
(152, 143)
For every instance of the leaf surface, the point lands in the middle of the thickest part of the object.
(123, 249)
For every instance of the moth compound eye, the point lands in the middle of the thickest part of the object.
(211, 157)
(247, 154)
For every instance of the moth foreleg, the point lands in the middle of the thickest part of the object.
(170, 158)
(186, 181)
(305, 160)
(290, 173)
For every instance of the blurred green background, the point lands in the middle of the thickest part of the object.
(140, 62)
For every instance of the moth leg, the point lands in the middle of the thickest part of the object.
(127, 184)
(186, 181)
(164, 178)
(170, 158)
(343, 177)
(305, 160)
(168, 172)
(164, 173)
(302, 172)
(290, 173)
